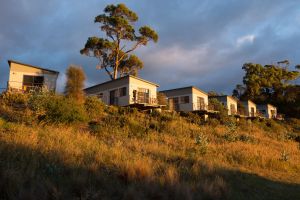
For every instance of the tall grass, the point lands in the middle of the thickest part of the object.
(121, 153)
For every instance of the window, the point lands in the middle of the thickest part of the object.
(122, 91)
(185, 99)
(100, 95)
(144, 90)
(143, 95)
(32, 82)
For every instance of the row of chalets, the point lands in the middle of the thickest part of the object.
(136, 92)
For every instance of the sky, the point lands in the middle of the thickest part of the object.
(201, 43)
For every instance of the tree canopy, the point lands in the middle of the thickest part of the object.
(114, 51)
(271, 84)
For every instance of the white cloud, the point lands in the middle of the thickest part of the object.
(245, 39)
(177, 55)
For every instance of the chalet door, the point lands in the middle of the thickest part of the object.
(252, 112)
(176, 103)
(273, 114)
(232, 109)
(143, 95)
(113, 100)
(200, 103)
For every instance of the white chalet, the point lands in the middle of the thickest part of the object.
(125, 91)
(229, 102)
(267, 110)
(25, 77)
(250, 108)
(187, 99)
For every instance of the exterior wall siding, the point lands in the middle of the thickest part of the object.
(227, 101)
(248, 105)
(129, 82)
(192, 93)
(135, 84)
(196, 93)
(267, 110)
(17, 71)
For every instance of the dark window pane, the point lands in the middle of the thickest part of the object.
(122, 91)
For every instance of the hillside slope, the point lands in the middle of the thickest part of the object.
(125, 154)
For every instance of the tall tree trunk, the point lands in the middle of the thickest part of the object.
(115, 72)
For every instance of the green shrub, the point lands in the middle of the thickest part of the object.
(213, 122)
(94, 107)
(193, 118)
(19, 115)
(201, 142)
(233, 137)
(15, 99)
(64, 110)
(38, 102)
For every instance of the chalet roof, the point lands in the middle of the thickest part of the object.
(124, 77)
(37, 67)
(182, 88)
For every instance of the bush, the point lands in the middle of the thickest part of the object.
(94, 107)
(15, 99)
(64, 110)
(202, 143)
(213, 122)
(39, 101)
(19, 115)
(193, 118)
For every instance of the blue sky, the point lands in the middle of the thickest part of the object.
(202, 43)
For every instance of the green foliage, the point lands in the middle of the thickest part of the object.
(241, 108)
(75, 83)
(271, 84)
(266, 80)
(94, 107)
(15, 99)
(193, 118)
(222, 115)
(162, 99)
(118, 24)
(14, 108)
(213, 122)
(201, 142)
(234, 137)
(64, 110)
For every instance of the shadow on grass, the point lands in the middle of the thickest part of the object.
(29, 174)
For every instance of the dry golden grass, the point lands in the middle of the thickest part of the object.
(181, 161)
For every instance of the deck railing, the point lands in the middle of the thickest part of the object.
(19, 86)
(144, 100)
(200, 106)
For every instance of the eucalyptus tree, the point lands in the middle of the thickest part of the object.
(115, 50)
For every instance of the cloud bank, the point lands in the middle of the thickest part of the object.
(202, 43)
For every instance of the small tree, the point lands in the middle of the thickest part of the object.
(162, 99)
(216, 105)
(75, 83)
(112, 52)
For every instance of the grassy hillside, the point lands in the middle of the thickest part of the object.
(119, 153)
